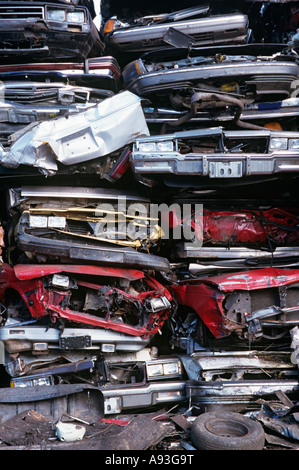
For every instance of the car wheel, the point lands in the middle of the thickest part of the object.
(227, 431)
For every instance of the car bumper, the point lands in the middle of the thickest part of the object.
(211, 167)
(120, 399)
(205, 31)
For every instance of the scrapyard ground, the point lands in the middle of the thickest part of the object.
(160, 431)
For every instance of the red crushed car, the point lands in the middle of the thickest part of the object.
(234, 233)
(124, 300)
(248, 305)
(245, 226)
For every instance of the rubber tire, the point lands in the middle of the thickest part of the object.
(227, 431)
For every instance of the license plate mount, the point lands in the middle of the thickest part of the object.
(225, 169)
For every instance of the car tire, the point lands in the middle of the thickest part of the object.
(227, 431)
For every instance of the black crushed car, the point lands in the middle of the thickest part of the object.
(40, 29)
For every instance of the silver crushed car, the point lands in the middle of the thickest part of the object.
(29, 102)
(227, 84)
(216, 154)
(154, 31)
(79, 137)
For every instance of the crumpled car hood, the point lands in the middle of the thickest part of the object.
(78, 138)
(25, 272)
(255, 279)
(127, 301)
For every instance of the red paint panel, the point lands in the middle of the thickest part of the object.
(205, 295)
(206, 302)
(44, 301)
(250, 226)
(255, 279)
(242, 227)
(27, 271)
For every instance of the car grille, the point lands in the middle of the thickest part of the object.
(79, 227)
(18, 12)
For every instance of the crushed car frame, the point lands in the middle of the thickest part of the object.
(216, 154)
(51, 29)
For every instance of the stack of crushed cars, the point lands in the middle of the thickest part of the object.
(149, 166)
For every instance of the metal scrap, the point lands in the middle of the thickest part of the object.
(80, 137)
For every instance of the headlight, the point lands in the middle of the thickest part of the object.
(39, 221)
(294, 144)
(56, 222)
(154, 370)
(59, 280)
(147, 147)
(36, 221)
(159, 303)
(56, 15)
(162, 369)
(279, 143)
(165, 146)
(31, 382)
(75, 17)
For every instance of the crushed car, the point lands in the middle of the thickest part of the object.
(155, 31)
(101, 226)
(194, 157)
(79, 137)
(127, 381)
(269, 234)
(244, 87)
(103, 309)
(41, 29)
(258, 306)
(97, 72)
(27, 102)
(123, 300)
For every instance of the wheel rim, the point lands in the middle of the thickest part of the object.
(224, 428)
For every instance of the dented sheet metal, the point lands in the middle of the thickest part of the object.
(233, 233)
(238, 365)
(249, 305)
(203, 31)
(240, 394)
(52, 401)
(19, 336)
(118, 217)
(256, 279)
(104, 300)
(78, 138)
(216, 154)
(92, 225)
